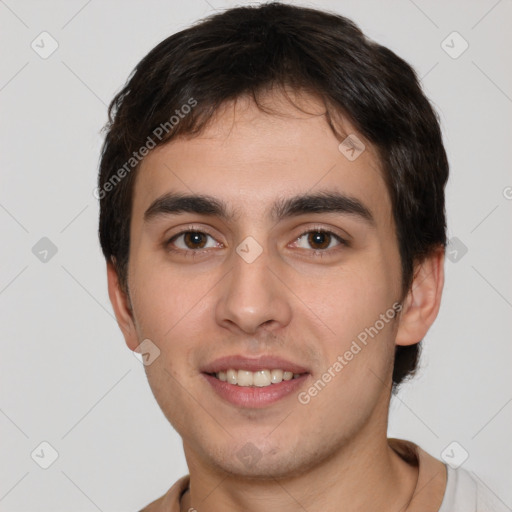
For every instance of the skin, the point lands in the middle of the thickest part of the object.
(289, 302)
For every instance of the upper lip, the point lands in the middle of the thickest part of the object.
(254, 364)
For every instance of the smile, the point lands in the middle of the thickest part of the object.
(261, 378)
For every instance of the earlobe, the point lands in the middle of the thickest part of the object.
(421, 306)
(121, 305)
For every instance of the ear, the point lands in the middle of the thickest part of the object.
(421, 305)
(122, 309)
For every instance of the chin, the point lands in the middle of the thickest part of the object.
(266, 460)
(263, 470)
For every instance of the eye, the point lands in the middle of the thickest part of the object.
(319, 240)
(191, 240)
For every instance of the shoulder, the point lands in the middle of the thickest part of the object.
(170, 501)
(465, 491)
(456, 490)
(154, 506)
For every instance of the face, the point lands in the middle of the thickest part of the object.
(251, 278)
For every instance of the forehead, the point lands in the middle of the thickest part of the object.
(249, 158)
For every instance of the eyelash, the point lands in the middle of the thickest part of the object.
(193, 253)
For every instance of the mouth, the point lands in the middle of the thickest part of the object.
(254, 383)
(260, 378)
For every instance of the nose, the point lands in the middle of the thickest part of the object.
(252, 296)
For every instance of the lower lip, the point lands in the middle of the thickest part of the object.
(253, 396)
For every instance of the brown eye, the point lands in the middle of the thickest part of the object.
(191, 241)
(319, 239)
(194, 240)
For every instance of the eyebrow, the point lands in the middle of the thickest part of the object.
(322, 202)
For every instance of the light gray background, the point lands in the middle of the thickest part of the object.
(67, 377)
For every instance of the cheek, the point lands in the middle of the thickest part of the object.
(351, 297)
(174, 312)
(356, 304)
(161, 298)
(167, 310)
(358, 363)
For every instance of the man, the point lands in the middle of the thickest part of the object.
(272, 215)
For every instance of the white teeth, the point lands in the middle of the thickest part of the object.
(244, 378)
(276, 376)
(232, 376)
(261, 378)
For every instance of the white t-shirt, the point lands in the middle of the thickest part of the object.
(464, 493)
